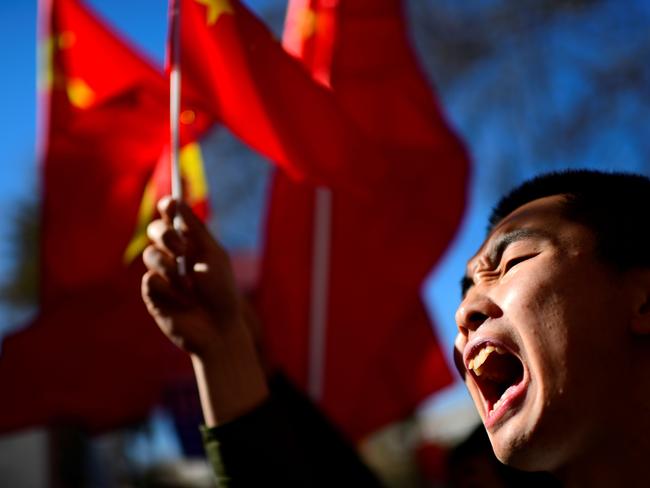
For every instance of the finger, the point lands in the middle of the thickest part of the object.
(209, 264)
(167, 208)
(177, 215)
(160, 295)
(165, 237)
(160, 261)
(195, 229)
(165, 264)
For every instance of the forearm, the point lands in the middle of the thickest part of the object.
(229, 377)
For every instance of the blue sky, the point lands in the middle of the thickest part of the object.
(17, 58)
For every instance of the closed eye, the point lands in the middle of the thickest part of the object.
(515, 261)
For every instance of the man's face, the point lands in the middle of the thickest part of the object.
(541, 335)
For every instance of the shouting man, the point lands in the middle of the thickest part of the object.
(553, 343)
(554, 328)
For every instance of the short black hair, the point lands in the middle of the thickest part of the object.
(614, 205)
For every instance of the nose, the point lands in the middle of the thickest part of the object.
(474, 310)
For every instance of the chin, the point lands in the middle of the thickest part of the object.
(521, 459)
(512, 450)
(526, 451)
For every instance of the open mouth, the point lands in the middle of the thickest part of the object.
(497, 372)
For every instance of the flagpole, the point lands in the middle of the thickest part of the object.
(322, 227)
(45, 50)
(319, 292)
(174, 115)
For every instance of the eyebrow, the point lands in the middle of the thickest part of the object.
(499, 245)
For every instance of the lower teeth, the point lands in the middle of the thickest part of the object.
(503, 398)
(498, 403)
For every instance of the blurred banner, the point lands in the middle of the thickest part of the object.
(362, 121)
(93, 358)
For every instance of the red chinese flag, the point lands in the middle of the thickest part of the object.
(271, 101)
(93, 356)
(381, 357)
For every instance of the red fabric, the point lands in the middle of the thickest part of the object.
(95, 360)
(354, 114)
(162, 179)
(381, 355)
(267, 97)
(93, 356)
(97, 159)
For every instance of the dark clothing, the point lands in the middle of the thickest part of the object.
(285, 442)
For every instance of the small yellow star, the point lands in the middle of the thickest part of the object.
(46, 62)
(308, 23)
(215, 8)
(66, 39)
(49, 75)
(79, 93)
(187, 117)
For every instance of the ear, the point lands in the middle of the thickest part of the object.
(640, 323)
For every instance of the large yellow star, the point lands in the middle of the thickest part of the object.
(215, 8)
(197, 190)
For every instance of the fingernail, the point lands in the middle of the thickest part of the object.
(164, 203)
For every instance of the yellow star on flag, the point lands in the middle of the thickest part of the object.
(307, 23)
(48, 76)
(191, 160)
(215, 8)
(79, 93)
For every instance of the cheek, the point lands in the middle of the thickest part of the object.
(532, 301)
(538, 307)
(541, 295)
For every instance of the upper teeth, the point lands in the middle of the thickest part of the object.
(478, 360)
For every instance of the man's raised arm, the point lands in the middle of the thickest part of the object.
(202, 314)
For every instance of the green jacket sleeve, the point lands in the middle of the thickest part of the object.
(286, 442)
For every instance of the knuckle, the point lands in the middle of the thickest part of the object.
(148, 257)
(165, 204)
(158, 261)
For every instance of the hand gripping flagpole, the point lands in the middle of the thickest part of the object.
(174, 115)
